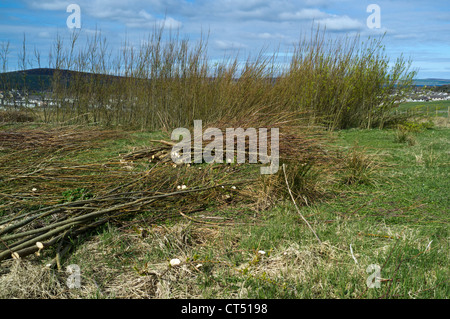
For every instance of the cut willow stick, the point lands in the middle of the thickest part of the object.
(200, 221)
(81, 218)
(20, 242)
(132, 182)
(30, 247)
(32, 242)
(71, 232)
(298, 210)
(59, 255)
(142, 201)
(168, 143)
(76, 225)
(43, 212)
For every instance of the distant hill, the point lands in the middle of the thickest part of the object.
(33, 80)
(442, 88)
(431, 82)
(39, 80)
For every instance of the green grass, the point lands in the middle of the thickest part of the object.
(409, 205)
(389, 224)
(432, 108)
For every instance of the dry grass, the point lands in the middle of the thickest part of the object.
(67, 137)
(31, 280)
(102, 277)
(360, 166)
(13, 116)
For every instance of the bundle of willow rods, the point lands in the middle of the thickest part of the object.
(24, 229)
(20, 234)
(153, 154)
(302, 148)
(32, 212)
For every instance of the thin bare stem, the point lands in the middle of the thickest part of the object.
(298, 210)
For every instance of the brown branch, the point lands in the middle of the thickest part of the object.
(298, 210)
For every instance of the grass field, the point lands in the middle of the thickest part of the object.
(383, 215)
(432, 108)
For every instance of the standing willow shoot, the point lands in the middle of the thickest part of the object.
(169, 82)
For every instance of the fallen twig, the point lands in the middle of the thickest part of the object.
(298, 210)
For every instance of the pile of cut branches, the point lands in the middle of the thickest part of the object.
(34, 219)
(297, 143)
(38, 164)
(152, 191)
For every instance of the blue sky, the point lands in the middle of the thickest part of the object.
(418, 29)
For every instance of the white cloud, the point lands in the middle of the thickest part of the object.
(44, 34)
(52, 5)
(304, 14)
(168, 23)
(145, 15)
(267, 35)
(340, 23)
(171, 23)
(406, 36)
(116, 14)
(229, 45)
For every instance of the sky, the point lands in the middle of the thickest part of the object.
(419, 30)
